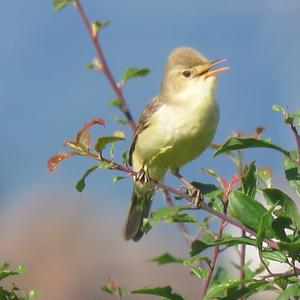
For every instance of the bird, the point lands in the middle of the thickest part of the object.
(175, 127)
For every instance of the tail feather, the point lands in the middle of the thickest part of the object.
(139, 209)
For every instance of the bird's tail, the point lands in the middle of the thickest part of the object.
(139, 208)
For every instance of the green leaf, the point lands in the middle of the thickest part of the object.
(292, 170)
(292, 291)
(199, 246)
(220, 275)
(112, 288)
(296, 117)
(106, 140)
(211, 172)
(199, 272)
(235, 143)
(165, 291)
(125, 157)
(33, 295)
(209, 191)
(249, 180)
(118, 178)
(97, 25)
(264, 175)
(250, 289)
(169, 215)
(278, 108)
(218, 290)
(120, 120)
(194, 261)
(6, 272)
(248, 211)
(274, 255)
(181, 218)
(279, 225)
(166, 214)
(134, 72)
(94, 64)
(167, 258)
(281, 282)
(60, 4)
(116, 102)
(292, 248)
(280, 198)
(216, 204)
(90, 66)
(250, 274)
(263, 225)
(80, 185)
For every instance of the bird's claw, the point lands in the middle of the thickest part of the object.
(142, 176)
(195, 194)
(197, 197)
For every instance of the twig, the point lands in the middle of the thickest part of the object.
(283, 274)
(297, 137)
(177, 192)
(243, 257)
(182, 228)
(213, 262)
(184, 181)
(104, 66)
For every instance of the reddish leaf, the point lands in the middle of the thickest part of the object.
(258, 132)
(83, 136)
(55, 159)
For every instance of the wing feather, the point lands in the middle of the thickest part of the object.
(143, 122)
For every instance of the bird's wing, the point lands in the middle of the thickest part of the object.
(143, 122)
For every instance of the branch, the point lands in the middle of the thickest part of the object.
(177, 192)
(243, 258)
(182, 228)
(297, 137)
(295, 272)
(104, 66)
(213, 261)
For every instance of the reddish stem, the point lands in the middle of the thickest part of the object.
(182, 228)
(104, 66)
(297, 137)
(213, 261)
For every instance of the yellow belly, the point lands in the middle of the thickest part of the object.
(185, 131)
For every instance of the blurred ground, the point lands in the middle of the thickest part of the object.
(70, 249)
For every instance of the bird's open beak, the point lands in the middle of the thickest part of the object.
(208, 70)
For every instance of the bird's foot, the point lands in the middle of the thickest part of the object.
(197, 197)
(142, 176)
(193, 192)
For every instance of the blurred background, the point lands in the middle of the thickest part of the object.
(71, 242)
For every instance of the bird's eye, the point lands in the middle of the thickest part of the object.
(186, 74)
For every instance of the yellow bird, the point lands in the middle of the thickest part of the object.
(174, 128)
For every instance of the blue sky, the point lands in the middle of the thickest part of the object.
(46, 94)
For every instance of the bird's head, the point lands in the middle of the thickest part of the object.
(187, 68)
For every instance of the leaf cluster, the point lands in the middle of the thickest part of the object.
(13, 293)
